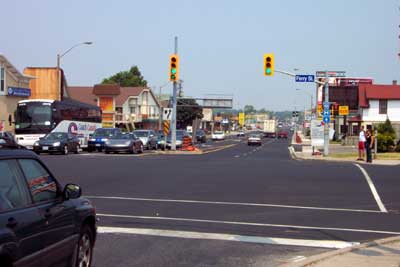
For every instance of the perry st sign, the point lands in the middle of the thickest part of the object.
(305, 78)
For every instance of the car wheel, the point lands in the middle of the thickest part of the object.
(65, 150)
(78, 147)
(85, 247)
(90, 150)
(133, 150)
(141, 149)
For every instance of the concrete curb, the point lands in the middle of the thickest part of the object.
(198, 152)
(375, 163)
(327, 255)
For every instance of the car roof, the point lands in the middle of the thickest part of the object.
(7, 153)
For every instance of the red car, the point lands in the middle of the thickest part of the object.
(283, 135)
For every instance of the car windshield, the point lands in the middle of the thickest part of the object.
(104, 132)
(141, 133)
(218, 132)
(56, 136)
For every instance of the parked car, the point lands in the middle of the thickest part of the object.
(254, 139)
(7, 140)
(201, 136)
(218, 135)
(148, 137)
(283, 134)
(160, 139)
(100, 136)
(180, 135)
(41, 223)
(124, 142)
(57, 142)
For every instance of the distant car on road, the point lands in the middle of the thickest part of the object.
(254, 139)
(283, 135)
(218, 135)
(148, 137)
(57, 142)
(41, 223)
(100, 136)
(241, 134)
(124, 142)
(201, 136)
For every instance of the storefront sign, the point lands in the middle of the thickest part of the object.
(17, 91)
(343, 110)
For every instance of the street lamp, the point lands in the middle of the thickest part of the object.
(59, 56)
(311, 96)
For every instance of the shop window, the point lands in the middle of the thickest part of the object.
(383, 106)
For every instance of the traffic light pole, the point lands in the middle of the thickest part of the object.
(174, 102)
(326, 125)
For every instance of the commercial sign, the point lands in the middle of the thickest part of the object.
(317, 133)
(321, 74)
(241, 118)
(343, 110)
(17, 91)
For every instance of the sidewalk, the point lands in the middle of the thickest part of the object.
(334, 149)
(379, 253)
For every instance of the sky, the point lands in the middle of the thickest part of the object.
(221, 42)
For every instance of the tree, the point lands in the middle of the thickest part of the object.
(133, 78)
(187, 111)
(248, 109)
(386, 136)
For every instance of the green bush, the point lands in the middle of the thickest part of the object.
(386, 137)
(385, 142)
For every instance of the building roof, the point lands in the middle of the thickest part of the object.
(82, 94)
(106, 89)
(13, 70)
(127, 92)
(367, 92)
(86, 94)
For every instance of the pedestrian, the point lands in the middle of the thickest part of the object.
(370, 140)
(361, 144)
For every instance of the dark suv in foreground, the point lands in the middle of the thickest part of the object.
(41, 223)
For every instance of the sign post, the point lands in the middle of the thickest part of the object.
(326, 118)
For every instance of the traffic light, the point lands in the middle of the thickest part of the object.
(269, 64)
(173, 68)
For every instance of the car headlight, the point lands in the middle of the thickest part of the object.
(56, 144)
(127, 143)
(104, 139)
(92, 140)
(107, 142)
(36, 143)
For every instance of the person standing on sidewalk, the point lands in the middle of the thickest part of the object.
(361, 144)
(370, 139)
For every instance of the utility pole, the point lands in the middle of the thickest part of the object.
(326, 124)
(173, 120)
(160, 111)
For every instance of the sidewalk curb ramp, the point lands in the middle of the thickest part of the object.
(327, 255)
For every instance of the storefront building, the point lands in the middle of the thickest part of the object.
(14, 86)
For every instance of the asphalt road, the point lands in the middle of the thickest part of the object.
(241, 206)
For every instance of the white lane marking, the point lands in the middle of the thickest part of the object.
(297, 258)
(373, 189)
(231, 203)
(248, 224)
(229, 237)
(237, 156)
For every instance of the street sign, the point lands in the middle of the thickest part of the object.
(166, 126)
(331, 74)
(305, 78)
(326, 105)
(167, 114)
(343, 110)
(320, 108)
(241, 118)
(295, 114)
(326, 119)
(326, 113)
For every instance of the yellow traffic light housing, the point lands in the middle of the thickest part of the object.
(269, 67)
(173, 68)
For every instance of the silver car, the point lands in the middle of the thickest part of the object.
(148, 138)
